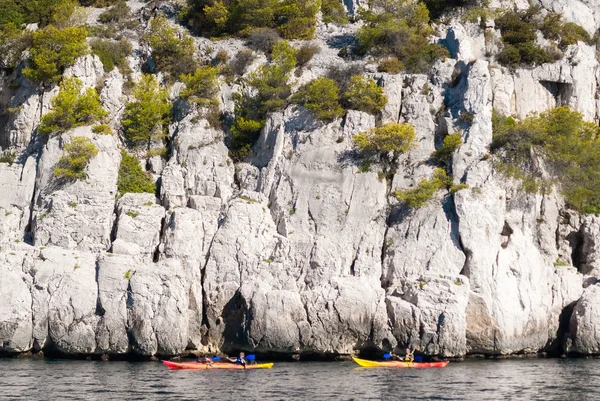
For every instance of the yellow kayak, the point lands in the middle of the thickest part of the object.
(399, 364)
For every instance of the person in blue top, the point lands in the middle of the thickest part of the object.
(240, 360)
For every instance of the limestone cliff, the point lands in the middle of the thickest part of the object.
(297, 249)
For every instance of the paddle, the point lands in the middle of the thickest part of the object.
(215, 358)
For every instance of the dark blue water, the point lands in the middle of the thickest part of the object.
(529, 379)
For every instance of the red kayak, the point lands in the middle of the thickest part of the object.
(214, 365)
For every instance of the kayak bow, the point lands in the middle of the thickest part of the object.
(399, 364)
(214, 365)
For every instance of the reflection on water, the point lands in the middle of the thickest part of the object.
(529, 379)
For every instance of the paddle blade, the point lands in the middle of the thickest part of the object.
(387, 356)
(418, 358)
(216, 358)
(251, 357)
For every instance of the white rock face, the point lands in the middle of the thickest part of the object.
(303, 247)
(77, 215)
(16, 328)
(584, 323)
(17, 182)
(569, 81)
(157, 318)
(64, 293)
(139, 222)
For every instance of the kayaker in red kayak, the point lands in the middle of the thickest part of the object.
(240, 360)
(410, 356)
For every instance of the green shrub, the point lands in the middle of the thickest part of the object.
(399, 29)
(146, 116)
(112, 54)
(365, 95)
(132, 178)
(8, 158)
(202, 87)
(297, 19)
(425, 189)
(451, 143)
(13, 42)
(244, 133)
(306, 53)
(342, 74)
(333, 12)
(390, 137)
(391, 65)
(221, 58)
(78, 154)
(102, 129)
(322, 97)
(271, 80)
(116, 15)
(519, 30)
(71, 108)
(568, 145)
(269, 92)
(466, 117)
(52, 51)
(565, 34)
(42, 12)
(293, 19)
(172, 54)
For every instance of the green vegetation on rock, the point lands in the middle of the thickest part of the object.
(365, 95)
(390, 137)
(293, 19)
(322, 97)
(146, 117)
(451, 143)
(172, 52)
(269, 92)
(419, 196)
(333, 11)
(72, 165)
(112, 53)
(71, 108)
(42, 12)
(399, 29)
(519, 33)
(52, 51)
(132, 178)
(202, 87)
(556, 147)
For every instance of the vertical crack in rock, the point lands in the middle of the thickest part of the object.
(205, 324)
(28, 231)
(99, 309)
(163, 229)
(115, 226)
(130, 319)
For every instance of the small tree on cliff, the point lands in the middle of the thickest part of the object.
(389, 139)
(146, 116)
(78, 153)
